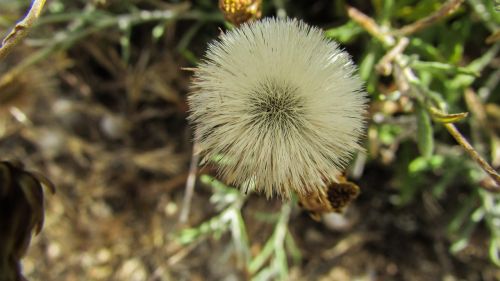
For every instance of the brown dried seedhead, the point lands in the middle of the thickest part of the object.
(333, 198)
(21, 213)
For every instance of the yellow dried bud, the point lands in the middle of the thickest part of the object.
(241, 11)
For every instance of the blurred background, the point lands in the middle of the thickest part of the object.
(95, 99)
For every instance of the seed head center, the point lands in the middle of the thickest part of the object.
(276, 104)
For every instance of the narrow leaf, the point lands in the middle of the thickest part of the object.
(442, 117)
(425, 135)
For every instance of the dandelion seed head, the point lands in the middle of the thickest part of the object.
(281, 104)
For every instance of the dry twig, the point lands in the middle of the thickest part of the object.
(370, 26)
(21, 29)
(474, 155)
(447, 9)
(384, 66)
(190, 182)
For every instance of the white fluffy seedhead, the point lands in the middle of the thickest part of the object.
(280, 104)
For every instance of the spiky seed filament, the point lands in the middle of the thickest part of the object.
(276, 106)
(280, 105)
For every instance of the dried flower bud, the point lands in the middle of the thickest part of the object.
(21, 213)
(241, 11)
(278, 107)
(334, 198)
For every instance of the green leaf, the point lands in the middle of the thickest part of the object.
(388, 133)
(262, 257)
(292, 248)
(494, 251)
(386, 12)
(344, 33)
(442, 117)
(425, 135)
(426, 50)
(438, 67)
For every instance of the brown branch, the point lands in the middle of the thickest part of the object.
(190, 182)
(384, 66)
(370, 26)
(447, 9)
(22, 28)
(493, 37)
(474, 155)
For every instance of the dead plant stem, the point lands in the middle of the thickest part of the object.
(21, 29)
(190, 183)
(446, 9)
(474, 155)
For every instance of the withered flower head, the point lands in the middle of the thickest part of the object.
(278, 106)
(21, 213)
(333, 198)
